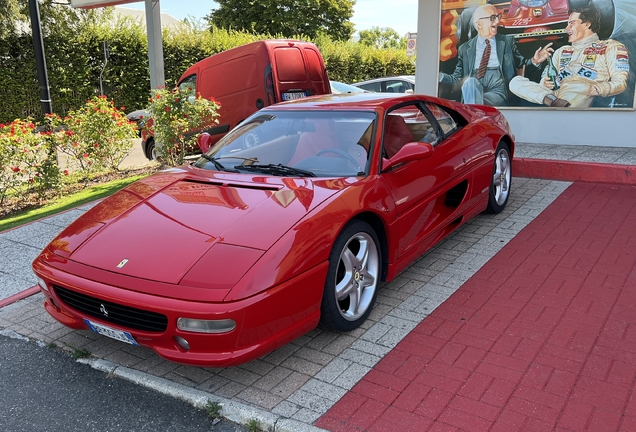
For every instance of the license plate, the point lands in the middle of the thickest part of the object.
(112, 333)
(293, 95)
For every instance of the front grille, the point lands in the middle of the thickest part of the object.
(120, 315)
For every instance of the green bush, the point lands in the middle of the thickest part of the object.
(25, 159)
(178, 115)
(96, 136)
(73, 44)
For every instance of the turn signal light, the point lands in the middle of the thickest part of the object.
(206, 326)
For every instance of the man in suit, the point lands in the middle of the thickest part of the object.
(489, 61)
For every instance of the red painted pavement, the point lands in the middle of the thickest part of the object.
(542, 338)
(574, 171)
(20, 296)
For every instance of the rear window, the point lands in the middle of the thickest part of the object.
(222, 79)
(290, 65)
(315, 66)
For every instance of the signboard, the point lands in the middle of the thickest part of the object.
(88, 4)
(411, 42)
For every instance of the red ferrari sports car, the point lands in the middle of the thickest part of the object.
(251, 246)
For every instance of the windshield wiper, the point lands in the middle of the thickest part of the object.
(277, 169)
(218, 165)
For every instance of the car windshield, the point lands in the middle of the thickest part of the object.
(533, 3)
(297, 144)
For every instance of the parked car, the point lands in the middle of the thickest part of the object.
(394, 84)
(339, 88)
(249, 77)
(225, 260)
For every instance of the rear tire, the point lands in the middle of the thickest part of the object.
(501, 180)
(353, 277)
(151, 150)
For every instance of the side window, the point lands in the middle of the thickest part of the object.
(373, 87)
(407, 124)
(446, 121)
(421, 126)
(188, 85)
(395, 86)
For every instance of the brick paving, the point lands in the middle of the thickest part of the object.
(542, 337)
(305, 378)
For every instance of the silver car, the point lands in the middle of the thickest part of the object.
(394, 84)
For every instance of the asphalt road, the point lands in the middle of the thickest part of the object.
(44, 389)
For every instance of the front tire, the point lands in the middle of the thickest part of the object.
(353, 277)
(501, 180)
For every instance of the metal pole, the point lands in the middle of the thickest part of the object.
(40, 61)
(155, 44)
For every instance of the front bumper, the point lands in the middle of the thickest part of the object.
(264, 322)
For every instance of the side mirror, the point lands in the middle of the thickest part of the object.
(409, 152)
(204, 141)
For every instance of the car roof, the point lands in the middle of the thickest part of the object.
(351, 101)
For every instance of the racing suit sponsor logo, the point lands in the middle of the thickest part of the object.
(587, 73)
(562, 75)
(565, 58)
(623, 66)
(590, 60)
(596, 49)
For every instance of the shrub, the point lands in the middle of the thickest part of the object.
(177, 119)
(26, 158)
(95, 136)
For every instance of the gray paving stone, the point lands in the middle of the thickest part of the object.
(311, 401)
(306, 415)
(286, 409)
(259, 398)
(351, 376)
(292, 383)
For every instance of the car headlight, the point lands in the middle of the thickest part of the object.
(206, 326)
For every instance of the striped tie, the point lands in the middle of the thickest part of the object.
(484, 61)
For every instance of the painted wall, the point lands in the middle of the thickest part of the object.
(598, 128)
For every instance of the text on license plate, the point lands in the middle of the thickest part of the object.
(112, 333)
(293, 95)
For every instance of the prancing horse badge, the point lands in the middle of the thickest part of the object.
(122, 263)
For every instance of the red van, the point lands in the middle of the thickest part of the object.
(247, 78)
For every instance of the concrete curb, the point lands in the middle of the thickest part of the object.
(233, 411)
(574, 171)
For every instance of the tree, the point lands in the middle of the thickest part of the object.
(287, 18)
(383, 38)
(10, 15)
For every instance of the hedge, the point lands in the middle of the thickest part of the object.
(74, 60)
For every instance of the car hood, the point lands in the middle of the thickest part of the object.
(159, 227)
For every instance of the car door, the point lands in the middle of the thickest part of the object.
(429, 193)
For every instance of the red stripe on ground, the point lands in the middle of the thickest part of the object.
(574, 171)
(19, 296)
(542, 337)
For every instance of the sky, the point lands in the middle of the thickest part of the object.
(400, 15)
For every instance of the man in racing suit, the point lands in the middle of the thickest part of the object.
(578, 72)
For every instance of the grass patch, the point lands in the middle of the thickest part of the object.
(213, 409)
(67, 202)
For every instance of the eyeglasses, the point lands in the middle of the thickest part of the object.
(492, 18)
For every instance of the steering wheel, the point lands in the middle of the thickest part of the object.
(251, 139)
(342, 153)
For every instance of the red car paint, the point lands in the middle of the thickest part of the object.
(254, 247)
